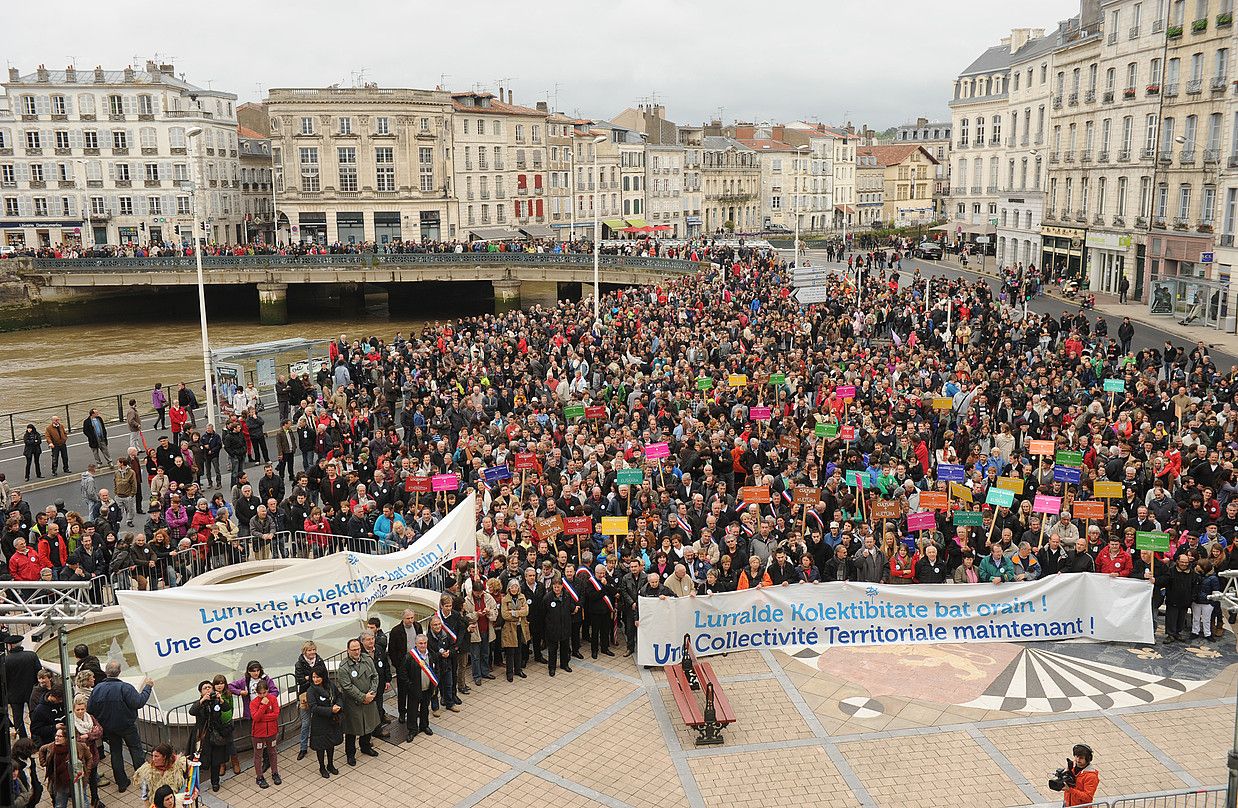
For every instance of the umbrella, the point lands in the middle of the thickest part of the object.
(661, 227)
(632, 230)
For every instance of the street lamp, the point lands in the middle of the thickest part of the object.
(90, 229)
(197, 254)
(795, 190)
(597, 233)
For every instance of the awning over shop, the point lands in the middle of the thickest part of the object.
(844, 209)
(492, 233)
(615, 224)
(979, 229)
(692, 219)
(636, 221)
(536, 230)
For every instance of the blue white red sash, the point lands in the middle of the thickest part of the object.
(598, 587)
(568, 589)
(739, 506)
(684, 524)
(447, 628)
(787, 496)
(747, 530)
(817, 518)
(425, 667)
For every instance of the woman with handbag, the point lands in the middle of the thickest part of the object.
(212, 734)
(515, 628)
(326, 727)
(89, 732)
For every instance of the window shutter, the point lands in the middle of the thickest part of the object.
(68, 105)
(43, 105)
(129, 104)
(23, 172)
(111, 171)
(75, 138)
(24, 205)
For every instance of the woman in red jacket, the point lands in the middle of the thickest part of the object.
(317, 532)
(264, 710)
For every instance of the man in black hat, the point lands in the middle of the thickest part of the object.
(21, 671)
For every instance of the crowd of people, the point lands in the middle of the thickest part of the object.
(930, 388)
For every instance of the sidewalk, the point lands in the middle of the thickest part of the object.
(1108, 305)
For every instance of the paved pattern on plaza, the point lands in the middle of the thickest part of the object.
(892, 727)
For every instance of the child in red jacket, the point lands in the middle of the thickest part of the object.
(264, 712)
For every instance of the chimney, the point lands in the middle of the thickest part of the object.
(99, 77)
(70, 74)
(659, 111)
(151, 67)
(14, 74)
(167, 70)
(542, 107)
(509, 97)
(41, 74)
(921, 122)
(500, 93)
(129, 75)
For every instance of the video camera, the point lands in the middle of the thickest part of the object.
(1063, 778)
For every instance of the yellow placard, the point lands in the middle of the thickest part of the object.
(960, 491)
(1107, 490)
(614, 525)
(737, 380)
(943, 403)
(1014, 484)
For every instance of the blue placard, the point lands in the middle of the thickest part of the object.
(951, 472)
(495, 473)
(1066, 474)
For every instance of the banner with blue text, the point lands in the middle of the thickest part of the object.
(190, 622)
(1062, 607)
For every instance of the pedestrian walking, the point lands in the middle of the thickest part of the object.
(32, 448)
(58, 440)
(96, 437)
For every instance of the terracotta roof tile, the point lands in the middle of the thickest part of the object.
(892, 155)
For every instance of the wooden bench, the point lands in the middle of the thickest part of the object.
(707, 719)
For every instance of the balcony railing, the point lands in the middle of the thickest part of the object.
(1186, 156)
(1195, 86)
(1147, 153)
(1068, 157)
(1107, 98)
(1085, 156)
(1164, 156)
(1073, 100)
(1134, 32)
(1124, 155)
(1089, 97)
(1102, 156)
(1212, 156)
(1171, 90)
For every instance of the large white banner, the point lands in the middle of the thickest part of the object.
(189, 622)
(1062, 607)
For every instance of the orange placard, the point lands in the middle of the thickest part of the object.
(1041, 447)
(755, 494)
(1089, 510)
(934, 499)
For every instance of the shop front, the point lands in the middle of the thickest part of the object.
(1062, 250)
(15, 233)
(1108, 256)
(431, 225)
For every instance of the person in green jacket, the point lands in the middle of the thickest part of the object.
(995, 567)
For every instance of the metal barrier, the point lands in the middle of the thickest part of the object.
(1213, 797)
(335, 542)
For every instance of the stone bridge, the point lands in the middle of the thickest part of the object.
(516, 278)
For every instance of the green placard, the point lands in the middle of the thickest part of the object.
(969, 518)
(1115, 385)
(826, 430)
(778, 378)
(574, 411)
(1151, 540)
(1000, 497)
(855, 478)
(1067, 458)
(630, 477)
(704, 383)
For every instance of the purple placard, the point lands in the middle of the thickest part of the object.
(845, 392)
(924, 520)
(445, 482)
(1047, 504)
(759, 413)
(657, 451)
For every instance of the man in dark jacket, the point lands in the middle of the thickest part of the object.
(629, 590)
(234, 445)
(115, 705)
(1053, 557)
(557, 631)
(87, 661)
(212, 444)
(400, 642)
(45, 715)
(21, 670)
(1179, 583)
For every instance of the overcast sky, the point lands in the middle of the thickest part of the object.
(879, 63)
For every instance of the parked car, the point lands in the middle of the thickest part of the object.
(776, 228)
(928, 249)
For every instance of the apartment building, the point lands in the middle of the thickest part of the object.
(935, 137)
(257, 190)
(907, 174)
(869, 188)
(366, 164)
(95, 157)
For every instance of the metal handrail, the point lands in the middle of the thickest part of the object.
(214, 262)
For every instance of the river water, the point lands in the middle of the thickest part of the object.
(44, 368)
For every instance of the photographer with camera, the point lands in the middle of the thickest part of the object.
(1078, 781)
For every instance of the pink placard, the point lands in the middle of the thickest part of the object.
(1047, 504)
(759, 413)
(925, 520)
(845, 392)
(657, 451)
(444, 482)
(847, 433)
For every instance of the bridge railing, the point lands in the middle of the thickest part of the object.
(371, 260)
